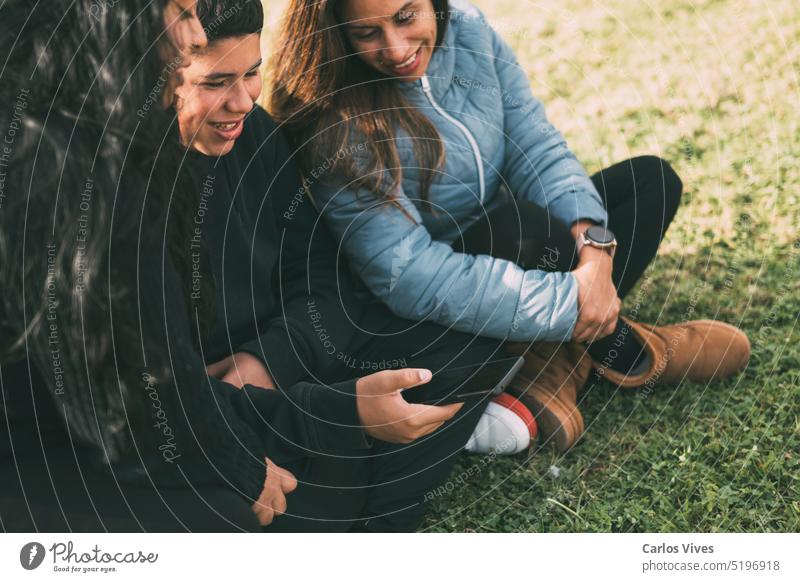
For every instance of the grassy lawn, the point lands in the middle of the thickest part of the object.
(712, 86)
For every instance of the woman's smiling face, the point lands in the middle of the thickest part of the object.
(395, 37)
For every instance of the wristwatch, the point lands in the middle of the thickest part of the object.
(598, 237)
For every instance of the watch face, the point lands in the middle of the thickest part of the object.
(600, 235)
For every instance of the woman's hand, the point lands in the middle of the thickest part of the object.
(272, 501)
(241, 368)
(598, 303)
(385, 415)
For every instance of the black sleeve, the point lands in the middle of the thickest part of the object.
(311, 329)
(236, 429)
(180, 428)
(208, 441)
(317, 306)
(123, 374)
(304, 420)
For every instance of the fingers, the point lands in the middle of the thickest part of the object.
(264, 514)
(579, 333)
(593, 326)
(233, 377)
(585, 328)
(612, 317)
(598, 303)
(423, 419)
(218, 369)
(409, 377)
(288, 481)
(389, 381)
(419, 420)
(241, 369)
(267, 512)
(279, 505)
(610, 328)
(424, 414)
(272, 501)
(431, 428)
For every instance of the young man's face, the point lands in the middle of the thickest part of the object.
(219, 89)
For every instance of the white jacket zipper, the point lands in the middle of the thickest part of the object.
(426, 88)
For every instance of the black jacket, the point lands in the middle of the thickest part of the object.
(274, 270)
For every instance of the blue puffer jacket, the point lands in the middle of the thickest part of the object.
(493, 128)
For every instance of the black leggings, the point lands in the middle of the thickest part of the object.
(641, 196)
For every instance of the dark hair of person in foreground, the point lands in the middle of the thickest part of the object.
(90, 163)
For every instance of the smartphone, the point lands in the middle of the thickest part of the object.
(450, 385)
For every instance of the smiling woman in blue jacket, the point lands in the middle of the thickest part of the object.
(458, 202)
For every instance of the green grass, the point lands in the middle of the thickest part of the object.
(712, 86)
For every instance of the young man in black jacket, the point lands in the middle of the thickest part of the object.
(286, 312)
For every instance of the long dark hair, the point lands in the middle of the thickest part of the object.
(324, 95)
(89, 170)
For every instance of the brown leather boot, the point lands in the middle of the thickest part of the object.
(548, 385)
(699, 351)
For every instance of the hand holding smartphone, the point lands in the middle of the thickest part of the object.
(487, 379)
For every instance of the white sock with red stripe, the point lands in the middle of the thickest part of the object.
(507, 427)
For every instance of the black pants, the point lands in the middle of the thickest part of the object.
(641, 196)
